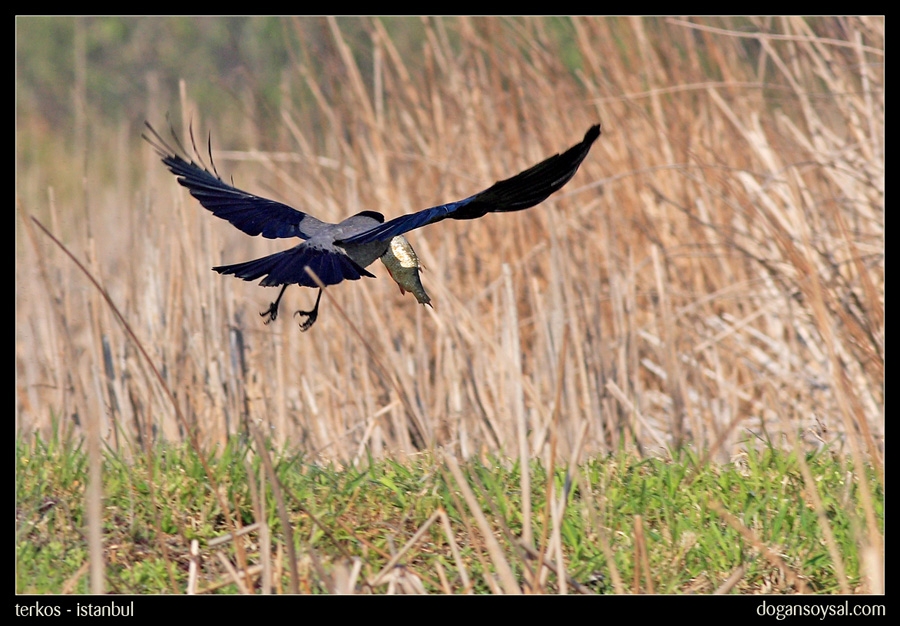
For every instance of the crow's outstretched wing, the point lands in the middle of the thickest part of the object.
(287, 267)
(522, 191)
(249, 213)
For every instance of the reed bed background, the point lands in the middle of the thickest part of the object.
(712, 278)
(717, 262)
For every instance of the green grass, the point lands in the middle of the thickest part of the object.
(370, 513)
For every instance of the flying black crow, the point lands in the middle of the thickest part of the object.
(343, 251)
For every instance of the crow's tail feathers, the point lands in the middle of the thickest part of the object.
(287, 268)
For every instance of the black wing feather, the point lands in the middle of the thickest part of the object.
(522, 191)
(251, 214)
(287, 268)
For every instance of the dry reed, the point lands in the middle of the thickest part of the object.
(717, 263)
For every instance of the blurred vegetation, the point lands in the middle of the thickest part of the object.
(214, 55)
(114, 69)
(370, 512)
(718, 265)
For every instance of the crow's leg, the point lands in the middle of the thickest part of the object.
(272, 311)
(310, 315)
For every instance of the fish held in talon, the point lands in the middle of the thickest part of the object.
(403, 265)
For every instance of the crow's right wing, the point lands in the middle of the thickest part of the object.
(524, 190)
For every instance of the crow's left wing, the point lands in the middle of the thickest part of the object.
(249, 213)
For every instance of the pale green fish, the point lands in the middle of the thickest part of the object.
(401, 261)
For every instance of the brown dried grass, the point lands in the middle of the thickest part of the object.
(717, 262)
